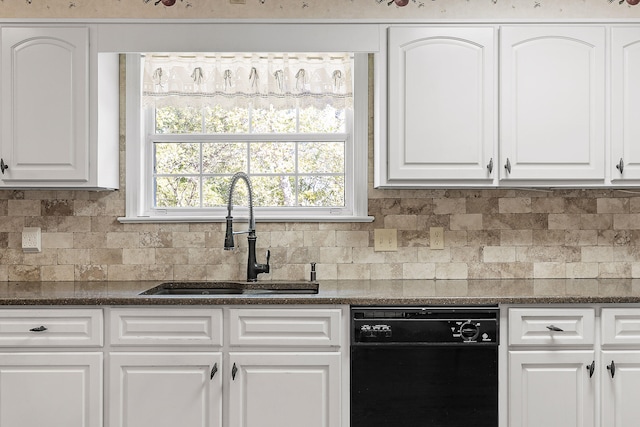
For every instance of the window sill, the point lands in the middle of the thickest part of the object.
(166, 219)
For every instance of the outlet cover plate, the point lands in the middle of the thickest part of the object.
(436, 237)
(31, 239)
(385, 240)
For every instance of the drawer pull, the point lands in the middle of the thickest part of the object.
(591, 368)
(234, 371)
(38, 329)
(612, 368)
(214, 370)
(554, 328)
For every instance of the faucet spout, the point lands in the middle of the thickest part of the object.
(253, 267)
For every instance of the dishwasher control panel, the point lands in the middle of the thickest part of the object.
(425, 325)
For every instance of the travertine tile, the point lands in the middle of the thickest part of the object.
(501, 254)
(466, 222)
(514, 205)
(451, 270)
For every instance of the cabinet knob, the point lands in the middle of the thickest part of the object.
(234, 371)
(507, 165)
(38, 329)
(3, 166)
(620, 165)
(214, 370)
(554, 328)
(591, 368)
(612, 368)
(490, 165)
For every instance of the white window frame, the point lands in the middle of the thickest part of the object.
(138, 163)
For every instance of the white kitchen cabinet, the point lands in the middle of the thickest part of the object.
(551, 367)
(285, 389)
(165, 367)
(551, 388)
(51, 367)
(59, 110)
(441, 106)
(51, 389)
(620, 373)
(233, 367)
(165, 389)
(552, 104)
(625, 105)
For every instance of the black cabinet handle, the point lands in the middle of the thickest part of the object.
(591, 368)
(3, 166)
(612, 368)
(38, 329)
(214, 370)
(490, 165)
(507, 165)
(554, 328)
(234, 371)
(620, 165)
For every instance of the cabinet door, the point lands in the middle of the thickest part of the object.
(620, 388)
(552, 110)
(44, 85)
(551, 389)
(165, 389)
(625, 104)
(51, 389)
(285, 389)
(441, 105)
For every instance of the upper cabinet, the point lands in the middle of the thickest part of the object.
(625, 105)
(59, 111)
(552, 104)
(441, 104)
(508, 105)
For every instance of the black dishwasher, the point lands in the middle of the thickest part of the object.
(424, 366)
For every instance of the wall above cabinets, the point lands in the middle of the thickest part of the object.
(536, 114)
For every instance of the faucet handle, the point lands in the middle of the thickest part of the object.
(268, 258)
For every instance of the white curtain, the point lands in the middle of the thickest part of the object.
(237, 80)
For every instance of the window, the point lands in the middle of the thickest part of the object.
(295, 122)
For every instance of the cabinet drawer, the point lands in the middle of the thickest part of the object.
(621, 326)
(51, 328)
(557, 326)
(166, 326)
(285, 327)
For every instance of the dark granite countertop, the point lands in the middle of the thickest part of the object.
(353, 292)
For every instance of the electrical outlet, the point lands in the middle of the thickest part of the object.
(436, 235)
(31, 239)
(385, 240)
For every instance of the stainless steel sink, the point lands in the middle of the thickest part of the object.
(217, 288)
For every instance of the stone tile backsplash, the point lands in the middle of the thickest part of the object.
(497, 233)
(488, 234)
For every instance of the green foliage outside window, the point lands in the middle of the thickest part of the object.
(284, 173)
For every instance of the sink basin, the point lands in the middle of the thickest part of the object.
(217, 288)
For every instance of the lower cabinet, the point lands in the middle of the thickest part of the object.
(51, 389)
(163, 389)
(284, 389)
(551, 389)
(232, 367)
(564, 374)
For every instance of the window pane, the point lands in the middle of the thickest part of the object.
(321, 191)
(273, 121)
(174, 158)
(224, 157)
(321, 157)
(171, 120)
(272, 191)
(273, 157)
(177, 192)
(215, 191)
(221, 120)
(327, 120)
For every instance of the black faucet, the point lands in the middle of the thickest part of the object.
(253, 268)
